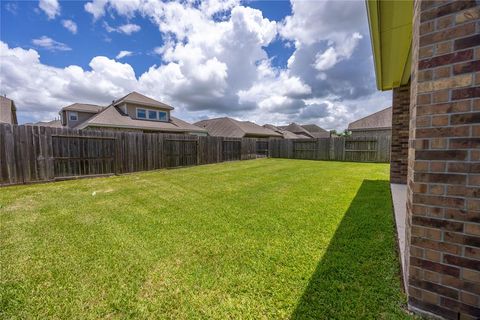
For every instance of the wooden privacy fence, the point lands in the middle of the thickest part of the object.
(371, 149)
(35, 153)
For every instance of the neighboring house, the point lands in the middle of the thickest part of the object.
(228, 127)
(133, 112)
(316, 131)
(286, 134)
(73, 115)
(298, 130)
(378, 124)
(52, 124)
(8, 111)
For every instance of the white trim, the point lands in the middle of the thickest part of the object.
(157, 114)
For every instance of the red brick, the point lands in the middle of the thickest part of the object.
(461, 262)
(467, 42)
(463, 239)
(465, 143)
(425, 52)
(431, 276)
(471, 275)
(473, 204)
(466, 67)
(438, 223)
(444, 22)
(441, 155)
(462, 307)
(440, 72)
(433, 308)
(443, 48)
(474, 180)
(443, 108)
(466, 93)
(433, 200)
(427, 27)
(445, 59)
(446, 9)
(425, 75)
(473, 253)
(440, 121)
(438, 166)
(461, 214)
(433, 287)
(452, 33)
(441, 178)
(437, 189)
(465, 118)
(469, 298)
(433, 255)
(463, 131)
(424, 98)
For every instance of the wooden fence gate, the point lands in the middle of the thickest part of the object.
(180, 152)
(82, 155)
(262, 148)
(360, 150)
(304, 150)
(231, 150)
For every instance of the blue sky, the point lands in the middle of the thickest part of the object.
(92, 39)
(266, 61)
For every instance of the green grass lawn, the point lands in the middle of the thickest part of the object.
(260, 239)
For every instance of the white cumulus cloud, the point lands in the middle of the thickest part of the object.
(50, 44)
(127, 29)
(70, 25)
(123, 54)
(213, 62)
(50, 7)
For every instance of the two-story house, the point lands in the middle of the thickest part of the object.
(133, 112)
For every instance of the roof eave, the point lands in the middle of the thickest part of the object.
(390, 20)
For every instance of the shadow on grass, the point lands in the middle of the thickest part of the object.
(358, 276)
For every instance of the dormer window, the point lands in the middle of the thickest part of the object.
(151, 114)
(162, 116)
(141, 114)
(73, 116)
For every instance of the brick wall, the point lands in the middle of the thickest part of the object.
(443, 200)
(400, 119)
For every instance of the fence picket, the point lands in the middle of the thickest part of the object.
(33, 153)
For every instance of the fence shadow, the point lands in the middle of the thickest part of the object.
(358, 276)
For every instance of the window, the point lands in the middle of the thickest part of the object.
(162, 116)
(152, 115)
(73, 116)
(141, 113)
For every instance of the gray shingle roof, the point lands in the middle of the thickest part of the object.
(297, 129)
(228, 127)
(378, 120)
(316, 131)
(52, 124)
(137, 98)
(286, 134)
(111, 117)
(84, 107)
